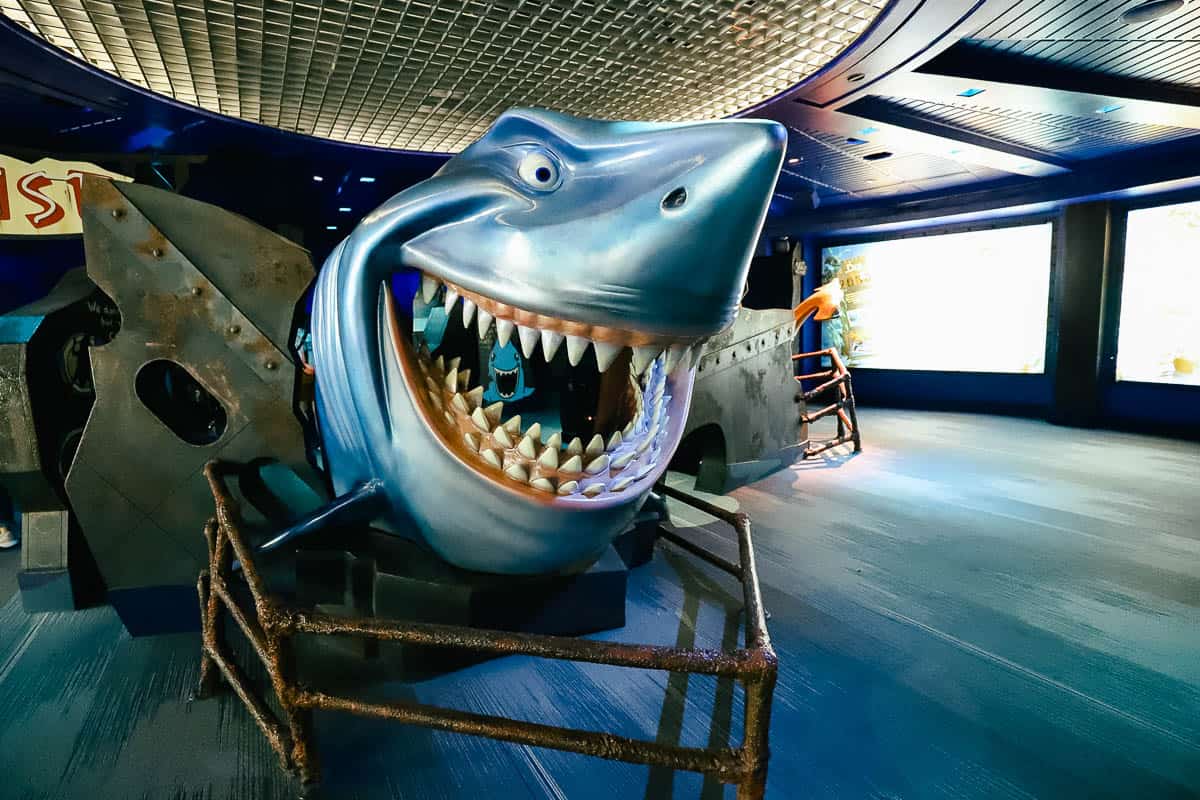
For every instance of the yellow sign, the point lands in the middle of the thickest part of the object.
(42, 199)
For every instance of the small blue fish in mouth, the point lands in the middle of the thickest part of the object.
(608, 252)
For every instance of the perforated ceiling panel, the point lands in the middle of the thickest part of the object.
(1092, 36)
(430, 76)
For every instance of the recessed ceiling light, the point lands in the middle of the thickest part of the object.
(856, 77)
(1150, 10)
(318, 178)
(869, 130)
(882, 154)
(344, 210)
(1108, 109)
(366, 179)
(1063, 141)
(331, 227)
(794, 160)
(971, 92)
(855, 140)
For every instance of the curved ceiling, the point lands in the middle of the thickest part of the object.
(430, 76)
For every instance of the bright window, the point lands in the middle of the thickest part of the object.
(1159, 338)
(966, 302)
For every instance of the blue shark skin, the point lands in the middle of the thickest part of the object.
(624, 234)
(505, 359)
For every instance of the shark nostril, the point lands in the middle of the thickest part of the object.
(675, 198)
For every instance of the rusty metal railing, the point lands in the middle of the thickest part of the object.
(835, 379)
(271, 626)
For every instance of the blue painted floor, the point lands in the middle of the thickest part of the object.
(973, 607)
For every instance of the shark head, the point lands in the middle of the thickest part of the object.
(608, 252)
(506, 375)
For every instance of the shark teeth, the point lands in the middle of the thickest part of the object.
(530, 338)
(575, 471)
(527, 447)
(598, 465)
(551, 340)
(504, 331)
(429, 287)
(502, 436)
(605, 354)
(533, 329)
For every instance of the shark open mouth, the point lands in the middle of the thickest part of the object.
(605, 421)
(506, 382)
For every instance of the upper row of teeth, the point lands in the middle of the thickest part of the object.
(551, 340)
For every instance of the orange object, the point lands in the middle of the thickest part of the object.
(824, 303)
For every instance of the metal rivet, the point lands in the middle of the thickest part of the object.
(196, 290)
(234, 330)
(270, 365)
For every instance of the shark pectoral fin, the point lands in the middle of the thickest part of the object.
(359, 505)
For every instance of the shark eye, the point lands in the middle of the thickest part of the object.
(539, 171)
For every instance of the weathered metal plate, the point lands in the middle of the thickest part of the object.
(215, 294)
(745, 395)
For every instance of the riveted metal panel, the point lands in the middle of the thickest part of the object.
(214, 294)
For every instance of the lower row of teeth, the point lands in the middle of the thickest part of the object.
(520, 454)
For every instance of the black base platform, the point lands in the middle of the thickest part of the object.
(368, 573)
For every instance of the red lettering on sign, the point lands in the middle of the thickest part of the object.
(5, 213)
(50, 212)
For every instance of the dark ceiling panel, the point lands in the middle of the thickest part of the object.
(836, 169)
(1091, 36)
(1059, 134)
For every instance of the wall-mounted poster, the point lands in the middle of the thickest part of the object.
(970, 302)
(1159, 335)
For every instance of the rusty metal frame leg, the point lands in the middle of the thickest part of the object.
(211, 624)
(272, 628)
(836, 378)
(216, 661)
(303, 754)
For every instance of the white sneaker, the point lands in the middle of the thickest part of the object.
(8, 539)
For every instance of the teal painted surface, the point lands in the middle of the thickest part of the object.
(972, 608)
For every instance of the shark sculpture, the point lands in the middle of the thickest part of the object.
(615, 247)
